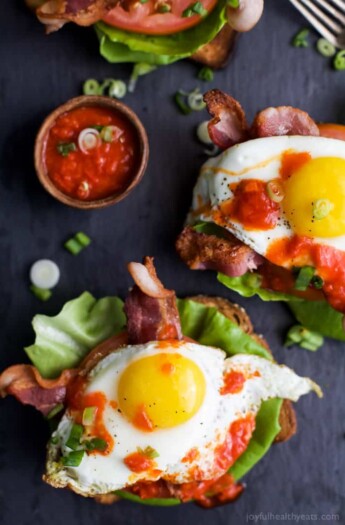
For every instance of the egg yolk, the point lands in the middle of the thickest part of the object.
(161, 391)
(319, 181)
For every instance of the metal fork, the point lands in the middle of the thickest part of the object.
(326, 16)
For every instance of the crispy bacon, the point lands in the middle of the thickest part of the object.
(151, 310)
(283, 120)
(228, 255)
(55, 13)
(25, 383)
(228, 125)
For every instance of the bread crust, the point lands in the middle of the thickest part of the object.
(216, 53)
(237, 314)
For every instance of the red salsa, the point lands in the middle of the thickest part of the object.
(91, 152)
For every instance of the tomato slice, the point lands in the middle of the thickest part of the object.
(144, 17)
(332, 131)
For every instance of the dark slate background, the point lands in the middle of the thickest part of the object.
(306, 476)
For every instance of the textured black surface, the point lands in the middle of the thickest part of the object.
(305, 476)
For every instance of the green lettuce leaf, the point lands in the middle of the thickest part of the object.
(64, 340)
(161, 49)
(320, 317)
(243, 286)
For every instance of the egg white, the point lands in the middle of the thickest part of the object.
(257, 159)
(98, 474)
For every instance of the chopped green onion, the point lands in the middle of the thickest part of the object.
(77, 243)
(54, 411)
(325, 48)
(110, 133)
(73, 440)
(143, 1)
(206, 74)
(203, 134)
(139, 70)
(253, 280)
(235, 4)
(194, 9)
(41, 293)
(317, 282)
(89, 415)
(117, 89)
(339, 61)
(196, 100)
(65, 148)
(304, 278)
(181, 104)
(91, 87)
(96, 444)
(149, 452)
(83, 239)
(322, 208)
(275, 191)
(164, 8)
(98, 128)
(304, 338)
(73, 459)
(300, 39)
(54, 440)
(73, 246)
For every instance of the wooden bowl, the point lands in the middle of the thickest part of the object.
(42, 137)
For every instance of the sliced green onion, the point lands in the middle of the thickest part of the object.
(44, 274)
(181, 103)
(317, 282)
(139, 70)
(196, 100)
(322, 208)
(65, 148)
(203, 134)
(96, 444)
(235, 4)
(304, 278)
(73, 440)
(98, 128)
(73, 459)
(206, 74)
(77, 243)
(143, 1)
(339, 61)
(89, 415)
(300, 39)
(304, 338)
(88, 139)
(91, 87)
(83, 239)
(253, 280)
(54, 439)
(73, 246)
(149, 452)
(194, 9)
(164, 8)
(117, 89)
(110, 133)
(54, 411)
(41, 293)
(325, 48)
(275, 191)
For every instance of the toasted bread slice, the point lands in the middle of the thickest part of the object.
(216, 53)
(235, 313)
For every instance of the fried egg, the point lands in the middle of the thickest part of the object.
(299, 186)
(163, 410)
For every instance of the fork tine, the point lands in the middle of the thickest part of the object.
(334, 12)
(322, 16)
(340, 4)
(314, 22)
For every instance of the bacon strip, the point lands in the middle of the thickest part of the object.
(55, 13)
(151, 310)
(283, 120)
(228, 125)
(228, 255)
(25, 383)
